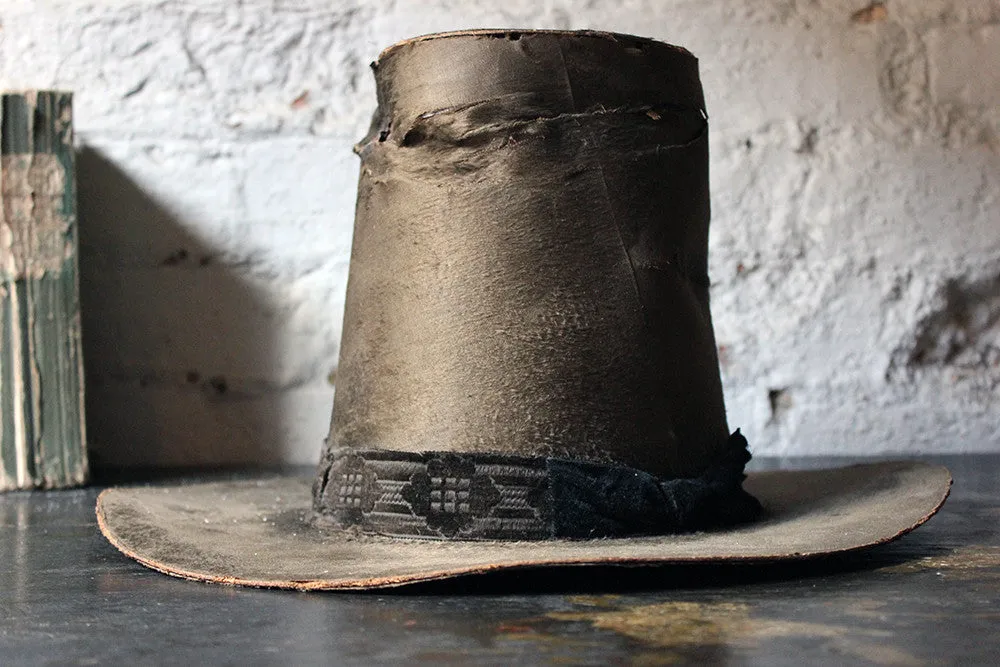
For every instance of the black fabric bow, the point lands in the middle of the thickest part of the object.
(593, 500)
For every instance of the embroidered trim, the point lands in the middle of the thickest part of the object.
(448, 495)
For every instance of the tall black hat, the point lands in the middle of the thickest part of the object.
(528, 373)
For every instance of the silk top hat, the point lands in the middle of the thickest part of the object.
(528, 374)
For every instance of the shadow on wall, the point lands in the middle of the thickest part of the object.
(173, 339)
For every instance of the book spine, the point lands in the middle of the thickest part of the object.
(42, 430)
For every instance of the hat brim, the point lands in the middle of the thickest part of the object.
(260, 532)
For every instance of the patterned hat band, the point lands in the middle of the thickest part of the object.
(475, 496)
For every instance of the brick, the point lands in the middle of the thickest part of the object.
(170, 426)
(149, 204)
(965, 65)
(294, 178)
(164, 323)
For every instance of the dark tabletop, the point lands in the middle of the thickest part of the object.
(933, 597)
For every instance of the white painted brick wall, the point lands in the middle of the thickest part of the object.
(856, 194)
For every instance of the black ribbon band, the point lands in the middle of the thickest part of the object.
(449, 495)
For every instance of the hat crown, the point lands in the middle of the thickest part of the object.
(529, 268)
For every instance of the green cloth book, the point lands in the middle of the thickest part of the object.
(42, 432)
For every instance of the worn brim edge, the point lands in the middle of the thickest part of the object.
(260, 532)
